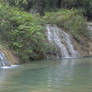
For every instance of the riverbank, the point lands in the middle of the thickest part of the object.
(25, 33)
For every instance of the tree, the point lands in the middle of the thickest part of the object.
(59, 3)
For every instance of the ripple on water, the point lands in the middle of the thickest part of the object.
(66, 75)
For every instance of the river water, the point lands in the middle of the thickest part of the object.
(66, 75)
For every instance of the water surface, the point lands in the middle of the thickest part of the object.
(66, 75)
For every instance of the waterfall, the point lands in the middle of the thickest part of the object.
(3, 60)
(90, 29)
(61, 40)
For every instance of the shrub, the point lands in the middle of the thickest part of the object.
(23, 32)
(71, 20)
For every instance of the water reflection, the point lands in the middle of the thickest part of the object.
(67, 75)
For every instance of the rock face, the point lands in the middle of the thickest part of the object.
(13, 59)
(84, 46)
(90, 48)
(7, 58)
(90, 34)
(66, 45)
(90, 29)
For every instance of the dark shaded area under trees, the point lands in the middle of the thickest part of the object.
(84, 6)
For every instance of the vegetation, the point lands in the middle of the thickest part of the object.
(85, 6)
(23, 29)
(23, 32)
(65, 19)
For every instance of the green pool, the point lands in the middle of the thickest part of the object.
(66, 75)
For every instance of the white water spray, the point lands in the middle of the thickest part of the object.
(61, 40)
(3, 60)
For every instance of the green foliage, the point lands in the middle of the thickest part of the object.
(70, 20)
(77, 26)
(18, 3)
(85, 6)
(23, 32)
(59, 17)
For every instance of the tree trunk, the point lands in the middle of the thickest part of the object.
(59, 3)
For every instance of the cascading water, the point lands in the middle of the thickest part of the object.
(61, 40)
(90, 29)
(70, 46)
(3, 60)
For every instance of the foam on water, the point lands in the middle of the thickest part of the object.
(9, 67)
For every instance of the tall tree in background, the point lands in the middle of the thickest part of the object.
(40, 6)
(59, 3)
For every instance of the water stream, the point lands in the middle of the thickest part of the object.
(3, 60)
(90, 29)
(61, 40)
